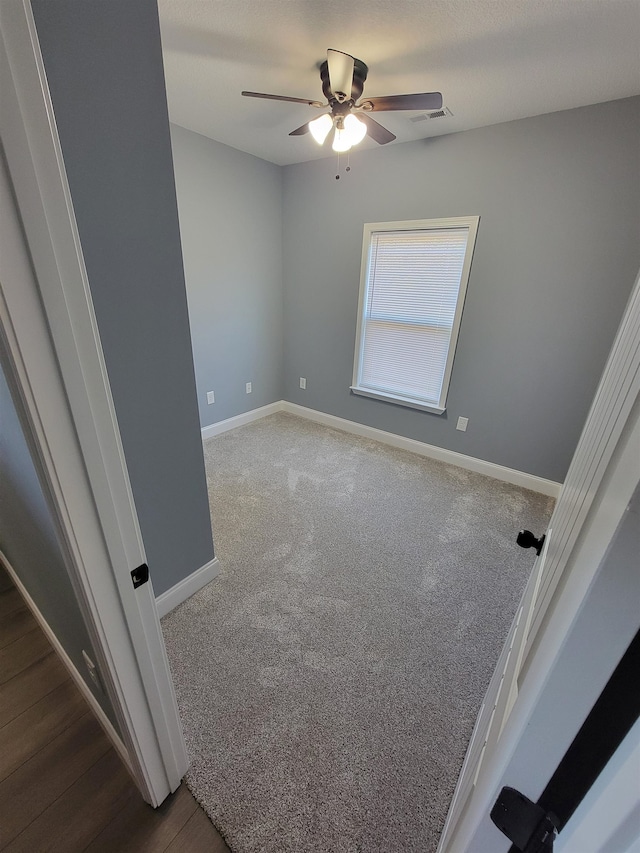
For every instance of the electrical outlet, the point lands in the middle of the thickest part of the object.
(93, 671)
(462, 424)
(303, 383)
(211, 397)
(248, 387)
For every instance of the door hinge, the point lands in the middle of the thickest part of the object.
(140, 575)
(526, 824)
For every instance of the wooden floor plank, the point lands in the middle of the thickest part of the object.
(35, 785)
(10, 601)
(140, 829)
(16, 625)
(5, 580)
(22, 653)
(198, 835)
(30, 685)
(62, 785)
(27, 734)
(81, 812)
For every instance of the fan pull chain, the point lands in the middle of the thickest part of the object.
(348, 167)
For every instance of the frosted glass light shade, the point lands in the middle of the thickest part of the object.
(341, 141)
(356, 129)
(320, 128)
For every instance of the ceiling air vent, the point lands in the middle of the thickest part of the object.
(443, 113)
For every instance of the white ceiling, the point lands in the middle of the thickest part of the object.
(493, 61)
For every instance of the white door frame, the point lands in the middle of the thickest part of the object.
(51, 337)
(600, 483)
(608, 819)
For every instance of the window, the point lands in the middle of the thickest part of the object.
(412, 289)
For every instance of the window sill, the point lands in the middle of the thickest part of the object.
(399, 401)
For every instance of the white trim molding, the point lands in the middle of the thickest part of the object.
(470, 463)
(187, 587)
(79, 681)
(55, 367)
(241, 420)
(450, 457)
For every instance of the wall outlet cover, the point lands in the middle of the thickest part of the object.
(248, 387)
(211, 397)
(462, 424)
(303, 383)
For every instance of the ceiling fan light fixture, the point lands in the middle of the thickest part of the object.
(342, 77)
(320, 127)
(341, 140)
(356, 129)
(349, 131)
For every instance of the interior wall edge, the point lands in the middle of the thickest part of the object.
(240, 420)
(184, 589)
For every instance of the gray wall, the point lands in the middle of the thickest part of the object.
(230, 207)
(29, 541)
(556, 258)
(104, 67)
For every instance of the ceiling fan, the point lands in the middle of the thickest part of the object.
(343, 78)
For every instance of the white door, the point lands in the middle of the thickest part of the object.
(50, 340)
(498, 701)
(597, 482)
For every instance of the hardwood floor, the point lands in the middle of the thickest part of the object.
(62, 785)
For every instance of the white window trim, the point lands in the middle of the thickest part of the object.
(468, 222)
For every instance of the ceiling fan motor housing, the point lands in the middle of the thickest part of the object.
(360, 72)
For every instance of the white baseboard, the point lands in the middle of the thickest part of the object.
(241, 420)
(79, 681)
(451, 457)
(187, 587)
(470, 463)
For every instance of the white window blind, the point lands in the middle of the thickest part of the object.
(412, 290)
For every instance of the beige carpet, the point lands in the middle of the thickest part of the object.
(329, 679)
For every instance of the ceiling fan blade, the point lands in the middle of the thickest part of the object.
(300, 131)
(340, 73)
(282, 98)
(424, 101)
(376, 131)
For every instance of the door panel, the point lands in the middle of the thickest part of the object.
(584, 496)
(500, 697)
(496, 706)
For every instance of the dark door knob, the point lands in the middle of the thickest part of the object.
(526, 539)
